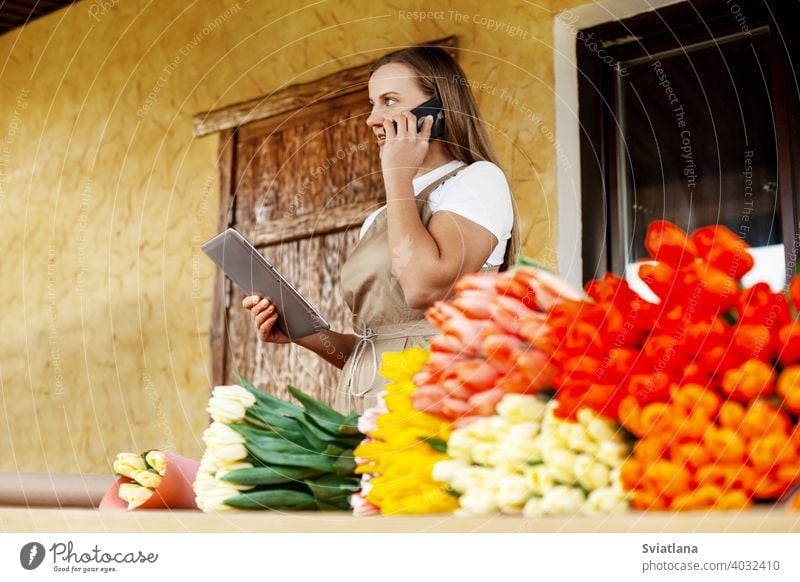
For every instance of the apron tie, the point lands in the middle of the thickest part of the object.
(365, 339)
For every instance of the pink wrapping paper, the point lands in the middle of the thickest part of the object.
(175, 491)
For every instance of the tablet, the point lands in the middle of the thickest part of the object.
(255, 275)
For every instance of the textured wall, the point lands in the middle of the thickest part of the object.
(104, 195)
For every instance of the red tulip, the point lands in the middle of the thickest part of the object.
(669, 244)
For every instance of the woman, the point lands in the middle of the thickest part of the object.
(449, 212)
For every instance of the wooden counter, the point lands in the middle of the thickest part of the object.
(19, 519)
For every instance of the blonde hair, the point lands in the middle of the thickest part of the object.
(465, 136)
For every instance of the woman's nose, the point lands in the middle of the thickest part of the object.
(375, 119)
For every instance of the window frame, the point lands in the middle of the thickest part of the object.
(671, 27)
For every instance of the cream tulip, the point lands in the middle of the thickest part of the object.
(134, 494)
(157, 461)
(562, 500)
(590, 473)
(126, 464)
(517, 408)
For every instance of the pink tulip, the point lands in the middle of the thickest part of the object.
(484, 282)
(485, 403)
(474, 304)
(507, 313)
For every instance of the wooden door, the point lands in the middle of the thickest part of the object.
(303, 184)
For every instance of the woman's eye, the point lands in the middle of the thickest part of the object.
(390, 99)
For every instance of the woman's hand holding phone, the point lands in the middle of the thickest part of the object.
(405, 148)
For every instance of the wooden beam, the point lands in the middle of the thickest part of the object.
(219, 324)
(312, 224)
(293, 97)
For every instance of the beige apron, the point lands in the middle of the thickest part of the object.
(382, 320)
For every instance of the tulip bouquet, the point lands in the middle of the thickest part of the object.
(151, 480)
(265, 453)
(527, 460)
(707, 379)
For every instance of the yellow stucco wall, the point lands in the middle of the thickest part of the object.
(104, 195)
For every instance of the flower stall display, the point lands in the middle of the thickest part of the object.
(151, 480)
(706, 379)
(266, 453)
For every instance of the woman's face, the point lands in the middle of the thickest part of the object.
(392, 89)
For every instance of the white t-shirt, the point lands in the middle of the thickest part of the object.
(479, 193)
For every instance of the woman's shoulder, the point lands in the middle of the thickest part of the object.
(484, 169)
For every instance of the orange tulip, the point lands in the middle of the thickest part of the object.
(689, 451)
(659, 277)
(789, 344)
(788, 388)
(734, 499)
(648, 500)
(769, 450)
(704, 497)
(763, 418)
(691, 397)
(669, 244)
(794, 292)
(668, 477)
(719, 247)
(751, 380)
(724, 444)
(649, 449)
(631, 473)
(731, 414)
(693, 425)
(659, 417)
(630, 415)
(761, 306)
(754, 342)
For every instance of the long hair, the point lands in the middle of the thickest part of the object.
(438, 73)
(465, 136)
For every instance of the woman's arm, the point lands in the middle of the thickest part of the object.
(428, 262)
(331, 346)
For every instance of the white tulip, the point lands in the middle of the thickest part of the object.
(134, 494)
(444, 471)
(604, 501)
(561, 463)
(562, 500)
(482, 453)
(598, 428)
(459, 445)
(540, 478)
(488, 429)
(512, 493)
(476, 502)
(612, 454)
(127, 464)
(519, 452)
(224, 443)
(468, 477)
(523, 431)
(516, 408)
(211, 492)
(157, 460)
(147, 478)
(591, 474)
(533, 507)
(574, 436)
(230, 403)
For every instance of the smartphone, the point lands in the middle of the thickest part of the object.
(431, 107)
